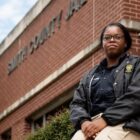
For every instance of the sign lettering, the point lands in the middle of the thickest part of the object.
(45, 34)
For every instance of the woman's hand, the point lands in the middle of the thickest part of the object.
(92, 128)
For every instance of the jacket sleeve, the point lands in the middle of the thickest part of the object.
(78, 106)
(127, 106)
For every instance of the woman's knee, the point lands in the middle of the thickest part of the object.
(78, 136)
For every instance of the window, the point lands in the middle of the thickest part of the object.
(38, 123)
(41, 117)
(6, 135)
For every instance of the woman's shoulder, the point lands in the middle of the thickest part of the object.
(133, 58)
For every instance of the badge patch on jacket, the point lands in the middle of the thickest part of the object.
(128, 68)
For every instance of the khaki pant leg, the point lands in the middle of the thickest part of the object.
(132, 136)
(78, 136)
(117, 133)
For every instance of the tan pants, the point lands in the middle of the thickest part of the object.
(111, 133)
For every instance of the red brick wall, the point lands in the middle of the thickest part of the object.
(136, 43)
(75, 34)
(131, 9)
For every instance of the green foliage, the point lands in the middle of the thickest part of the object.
(58, 128)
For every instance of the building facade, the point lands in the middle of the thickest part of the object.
(45, 55)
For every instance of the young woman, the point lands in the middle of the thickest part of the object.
(106, 103)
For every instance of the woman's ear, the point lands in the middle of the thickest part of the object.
(125, 46)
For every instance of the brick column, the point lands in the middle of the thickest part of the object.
(20, 130)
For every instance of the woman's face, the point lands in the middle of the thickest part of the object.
(113, 41)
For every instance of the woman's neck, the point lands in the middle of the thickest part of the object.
(112, 62)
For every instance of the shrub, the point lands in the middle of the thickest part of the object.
(58, 128)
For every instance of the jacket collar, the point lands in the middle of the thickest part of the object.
(103, 63)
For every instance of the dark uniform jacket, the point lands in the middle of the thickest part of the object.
(125, 109)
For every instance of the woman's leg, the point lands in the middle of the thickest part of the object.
(132, 136)
(117, 133)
